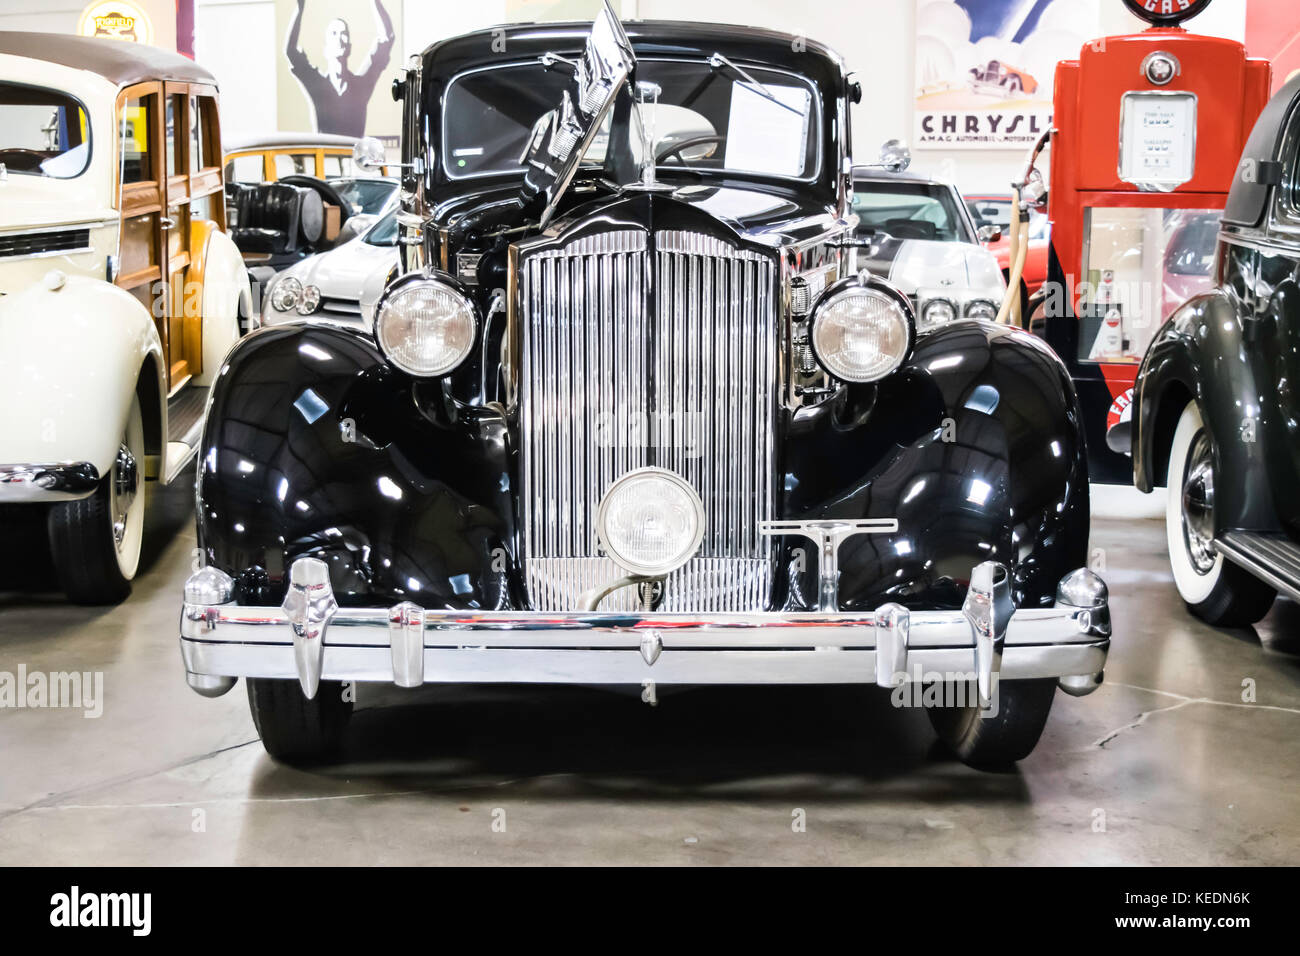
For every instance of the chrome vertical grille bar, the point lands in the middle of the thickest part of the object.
(608, 387)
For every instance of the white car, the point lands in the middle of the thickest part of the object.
(340, 286)
(120, 291)
(919, 234)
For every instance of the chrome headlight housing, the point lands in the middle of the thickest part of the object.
(426, 324)
(985, 309)
(862, 329)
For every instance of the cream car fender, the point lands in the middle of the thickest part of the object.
(72, 352)
(225, 288)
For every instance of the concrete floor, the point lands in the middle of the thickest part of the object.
(1164, 764)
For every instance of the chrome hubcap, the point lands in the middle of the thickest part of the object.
(1198, 505)
(126, 478)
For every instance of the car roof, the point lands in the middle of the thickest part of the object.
(649, 38)
(867, 174)
(288, 140)
(118, 61)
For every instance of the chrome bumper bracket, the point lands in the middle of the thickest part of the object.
(988, 607)
(828, 534)
(406, 632)
(893, 624)
(310, 606)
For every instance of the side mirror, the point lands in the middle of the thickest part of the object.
(895, 156)
(989, 233)
(368, 153)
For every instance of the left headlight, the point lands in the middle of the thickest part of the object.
(426, 326)
(862, 329)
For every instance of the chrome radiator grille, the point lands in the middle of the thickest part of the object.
(633, 357)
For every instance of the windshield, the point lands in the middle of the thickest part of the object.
(705, 118)
(42, 133)
(909, 211)
(367, 196)
(384, 232)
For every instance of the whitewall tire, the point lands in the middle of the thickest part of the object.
(95, 541)
(1215, 590)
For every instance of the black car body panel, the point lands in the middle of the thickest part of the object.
(1234, 350)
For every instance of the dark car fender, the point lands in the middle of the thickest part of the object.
(1201, 354)
(314, 445)
(975, 445)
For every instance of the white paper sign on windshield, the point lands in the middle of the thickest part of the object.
(767, 137)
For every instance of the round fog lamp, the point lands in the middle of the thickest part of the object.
(650, 522)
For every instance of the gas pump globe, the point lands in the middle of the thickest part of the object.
(1147, 132)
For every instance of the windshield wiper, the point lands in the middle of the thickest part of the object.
(719, 62)
(549, 60)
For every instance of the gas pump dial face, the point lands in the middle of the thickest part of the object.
(1166, 13)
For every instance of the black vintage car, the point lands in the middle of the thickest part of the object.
(1216, 407)
(630, 415)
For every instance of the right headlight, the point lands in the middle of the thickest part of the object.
(425, 325)
(862, 329)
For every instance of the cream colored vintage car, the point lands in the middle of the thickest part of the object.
(120, 292)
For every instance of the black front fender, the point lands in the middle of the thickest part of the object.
(314, 445)
(975, 445)
(1201, 354)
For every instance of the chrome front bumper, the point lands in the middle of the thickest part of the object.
(311, 638)
(54, 481)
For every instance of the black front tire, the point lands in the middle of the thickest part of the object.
(296, 730)
(994, 743)
(82, 546)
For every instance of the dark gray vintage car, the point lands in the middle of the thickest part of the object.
(1216, 406)
(631, 415)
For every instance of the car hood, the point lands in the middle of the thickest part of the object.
(915, 264)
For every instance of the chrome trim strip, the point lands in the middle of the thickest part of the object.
(627, 666)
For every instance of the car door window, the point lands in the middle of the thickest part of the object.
(134, 135)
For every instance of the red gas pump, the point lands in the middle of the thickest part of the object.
(1148, 129)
